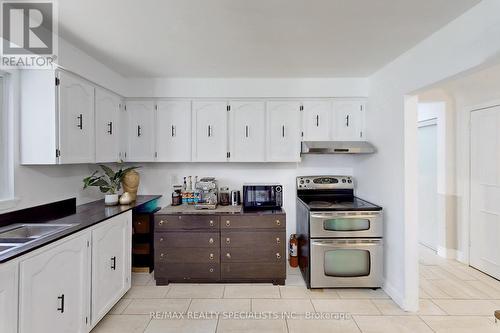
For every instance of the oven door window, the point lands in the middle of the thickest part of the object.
(347, 263)
(260, 196)
(346, 224)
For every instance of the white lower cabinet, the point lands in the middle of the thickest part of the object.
(111, 263)
(54, 293)
(8, 297)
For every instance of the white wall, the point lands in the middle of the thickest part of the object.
(469, 41)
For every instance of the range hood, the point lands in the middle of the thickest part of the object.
(337, 147)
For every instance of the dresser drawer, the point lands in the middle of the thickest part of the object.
(253, 222)
(175, 239)
(265, 239)
(253, 254)
(188, 272)
(257, 271)
(191, 255)
(186, 222)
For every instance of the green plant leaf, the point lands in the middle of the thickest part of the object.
(108, 171)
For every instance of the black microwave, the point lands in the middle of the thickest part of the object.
(262, 196)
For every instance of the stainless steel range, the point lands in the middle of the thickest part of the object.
(340, 235)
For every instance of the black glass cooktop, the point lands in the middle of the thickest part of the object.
(325, 203)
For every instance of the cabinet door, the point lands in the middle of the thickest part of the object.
(247, 126)
(348, 124)
(141, 137)
(8, 297)
(173, 131)
(316, 120)
(283, 119)
(76, 120)
(123, 132)
(55, 289)
(107, 112)
(210, 131)
(111, 244)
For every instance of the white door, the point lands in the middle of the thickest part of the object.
(173, 131)
(485, 191)
(210, 131)
(247, 127)
(111, 263)
(348, 122)
(316, 120)
(76, 120)
(427, 184)
(107, 112)
(283, 124)
(8, 297)
(55, 289)
(141, 126)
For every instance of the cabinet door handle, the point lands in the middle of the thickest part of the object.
(228, 240)
(161, 222)
(209, 130)
(317, 120)
(211, 223)
(278, 240)
(61, 308)
(283, 130)
(139, 133)
(161, 239)
(80, 121)
(162, 255)
(278, 222)
(211, 270)
(347, 121)
(211, 256)
(173, 131)
(211, 241)
(246, 131)
(110, 128)
(228, 223)
(278, 256)
(113, 263)
(228, 255)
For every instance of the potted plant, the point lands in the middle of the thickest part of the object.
(109, 183)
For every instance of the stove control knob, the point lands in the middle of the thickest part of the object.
(308, 181)
(343, 180)
(302, 182)
(349, 181)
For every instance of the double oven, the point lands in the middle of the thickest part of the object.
(340, 236)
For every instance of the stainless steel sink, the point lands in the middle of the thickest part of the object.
(16, 235)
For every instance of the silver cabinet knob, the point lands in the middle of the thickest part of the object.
(161, 222)
(211, 270)
(161, 239)
(278, 240)
(162, 255)
(228, 223)
(211, 256)
(211, 223)
(228, 255)
(228, 240)
(278, 256)
(211, 241)
(278, 222)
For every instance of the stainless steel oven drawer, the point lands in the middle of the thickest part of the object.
(346, 263)
(346, 224)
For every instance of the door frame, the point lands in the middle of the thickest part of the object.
(464, 255)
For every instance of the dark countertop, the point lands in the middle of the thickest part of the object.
(86, 215)
(220, 210)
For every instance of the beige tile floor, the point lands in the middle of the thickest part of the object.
(453, 298)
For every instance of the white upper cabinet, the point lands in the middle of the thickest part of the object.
(141, 131)
(284, 127)
(316, 120)
(76, 117)
(247, 127)
(107, 126)
(173, 131)
(8, 297)
(57, 118)
(348, 123)
(111, 263)
(210, 131)
(54, 289)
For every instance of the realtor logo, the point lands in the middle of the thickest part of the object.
(28, 34)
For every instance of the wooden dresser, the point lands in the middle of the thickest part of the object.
(225, 245)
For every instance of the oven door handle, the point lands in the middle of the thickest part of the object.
(347, 243)
(333, 216)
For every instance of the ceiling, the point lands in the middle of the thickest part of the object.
(251, 38)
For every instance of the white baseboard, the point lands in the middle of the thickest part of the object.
(447, 253)
(397, 297)
(462, 257)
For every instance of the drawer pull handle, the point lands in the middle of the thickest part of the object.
(228, 255)
(278, 256)
(162, 255)
(161, 222)
(211, 240)
(278, 222)
(211, 223)
(278, 240)
(161, 239)
(211, 270)
(211, 256)
(228, 223)
(228, 240)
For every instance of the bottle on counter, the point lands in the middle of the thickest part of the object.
(190, 184)
(184, 185)
(177, 195)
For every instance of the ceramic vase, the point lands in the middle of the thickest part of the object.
(130, 183)
(111, 199)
